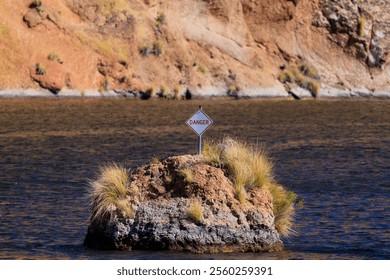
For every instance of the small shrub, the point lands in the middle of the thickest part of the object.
(314, 87)
(104, 47)
(145, 50)
(155, 160)
(303, 75)
(36, 4)
(161, 18)
(187, 174)
(53, 56)
(165, 91)
(108, 193)
(195, 211)
(157, 48)
(151, 92)
(4, 31)
(309, 71)
(176, 92)
(232, 88)
(202, 69)
(360, 26)
(104, 85)
(40, 69)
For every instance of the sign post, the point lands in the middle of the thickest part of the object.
(199, 122)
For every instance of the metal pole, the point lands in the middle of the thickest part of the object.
(200, 140)
(199, 144)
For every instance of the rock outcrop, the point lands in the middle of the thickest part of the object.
(185, 204)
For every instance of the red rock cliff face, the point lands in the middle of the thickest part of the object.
(205, 45)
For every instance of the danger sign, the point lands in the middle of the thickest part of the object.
(199, 122)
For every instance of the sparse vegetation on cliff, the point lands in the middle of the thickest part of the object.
(160, 18)
(361, 26)
(304, 75)
(52, 56)
(3, 29)
(156, 48)
(40, 69)
(202, 69)
(36, 3)
(108, 193)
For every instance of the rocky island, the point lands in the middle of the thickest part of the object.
(225, 200)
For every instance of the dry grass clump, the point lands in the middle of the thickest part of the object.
(202, 69)
(283, 210)
(360, 26)
(112, 6)
(40, 69)
(304, 75)
(212, 153)
(161, 18)
(52, 56)
(156, 48)
(4, 31)
(195, 210)
(187, 174)
(249, 167)
(109, 193)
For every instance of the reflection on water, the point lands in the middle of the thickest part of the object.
(333, 154)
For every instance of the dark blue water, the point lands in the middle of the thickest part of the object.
(334, 155)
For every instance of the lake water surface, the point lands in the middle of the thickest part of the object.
(334, 155)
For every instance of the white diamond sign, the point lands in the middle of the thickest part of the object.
(199, 122)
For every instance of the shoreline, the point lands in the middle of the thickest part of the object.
(276, 92)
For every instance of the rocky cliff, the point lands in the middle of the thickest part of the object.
(208, 47)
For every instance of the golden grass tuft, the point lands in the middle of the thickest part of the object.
(155, 160)
(40, 69)
(188, 175)
(360, 26)
(211, 153)
(109, 193)
(249, 167)
(283, 210)
(4, 31)
(195, 210)
(202, 69)
(240, 192)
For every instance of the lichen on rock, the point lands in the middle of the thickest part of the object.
(197, 210)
